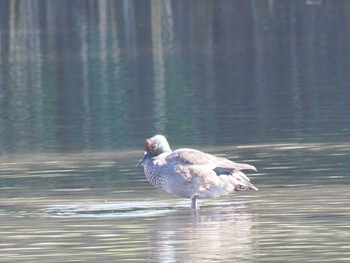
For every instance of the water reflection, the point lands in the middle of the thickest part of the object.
(220, 233)
(100, 75)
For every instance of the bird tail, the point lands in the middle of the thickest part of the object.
(242, 182)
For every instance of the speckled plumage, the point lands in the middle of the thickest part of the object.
(191, 173)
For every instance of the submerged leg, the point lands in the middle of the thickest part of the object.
(194, 202)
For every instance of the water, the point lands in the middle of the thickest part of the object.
(98, 206)
(83, 83)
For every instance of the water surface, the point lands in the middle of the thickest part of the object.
(99, 207)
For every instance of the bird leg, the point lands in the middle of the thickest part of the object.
(194, 202)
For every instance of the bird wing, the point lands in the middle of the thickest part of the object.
(221, 165)
(206, 183)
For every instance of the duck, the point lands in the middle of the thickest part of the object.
(191, 173)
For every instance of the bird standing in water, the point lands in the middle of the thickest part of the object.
(191, 173)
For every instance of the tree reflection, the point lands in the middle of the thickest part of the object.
(85, 75)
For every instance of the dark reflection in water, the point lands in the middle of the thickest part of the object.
(87, 75)
(96, 206)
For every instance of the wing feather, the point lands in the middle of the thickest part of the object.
(194, 157)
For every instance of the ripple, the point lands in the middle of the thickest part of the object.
(128, 208)
(147, 208)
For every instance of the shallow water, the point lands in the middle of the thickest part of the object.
(291, 218)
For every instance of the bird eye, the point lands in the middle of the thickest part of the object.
(154, 146)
